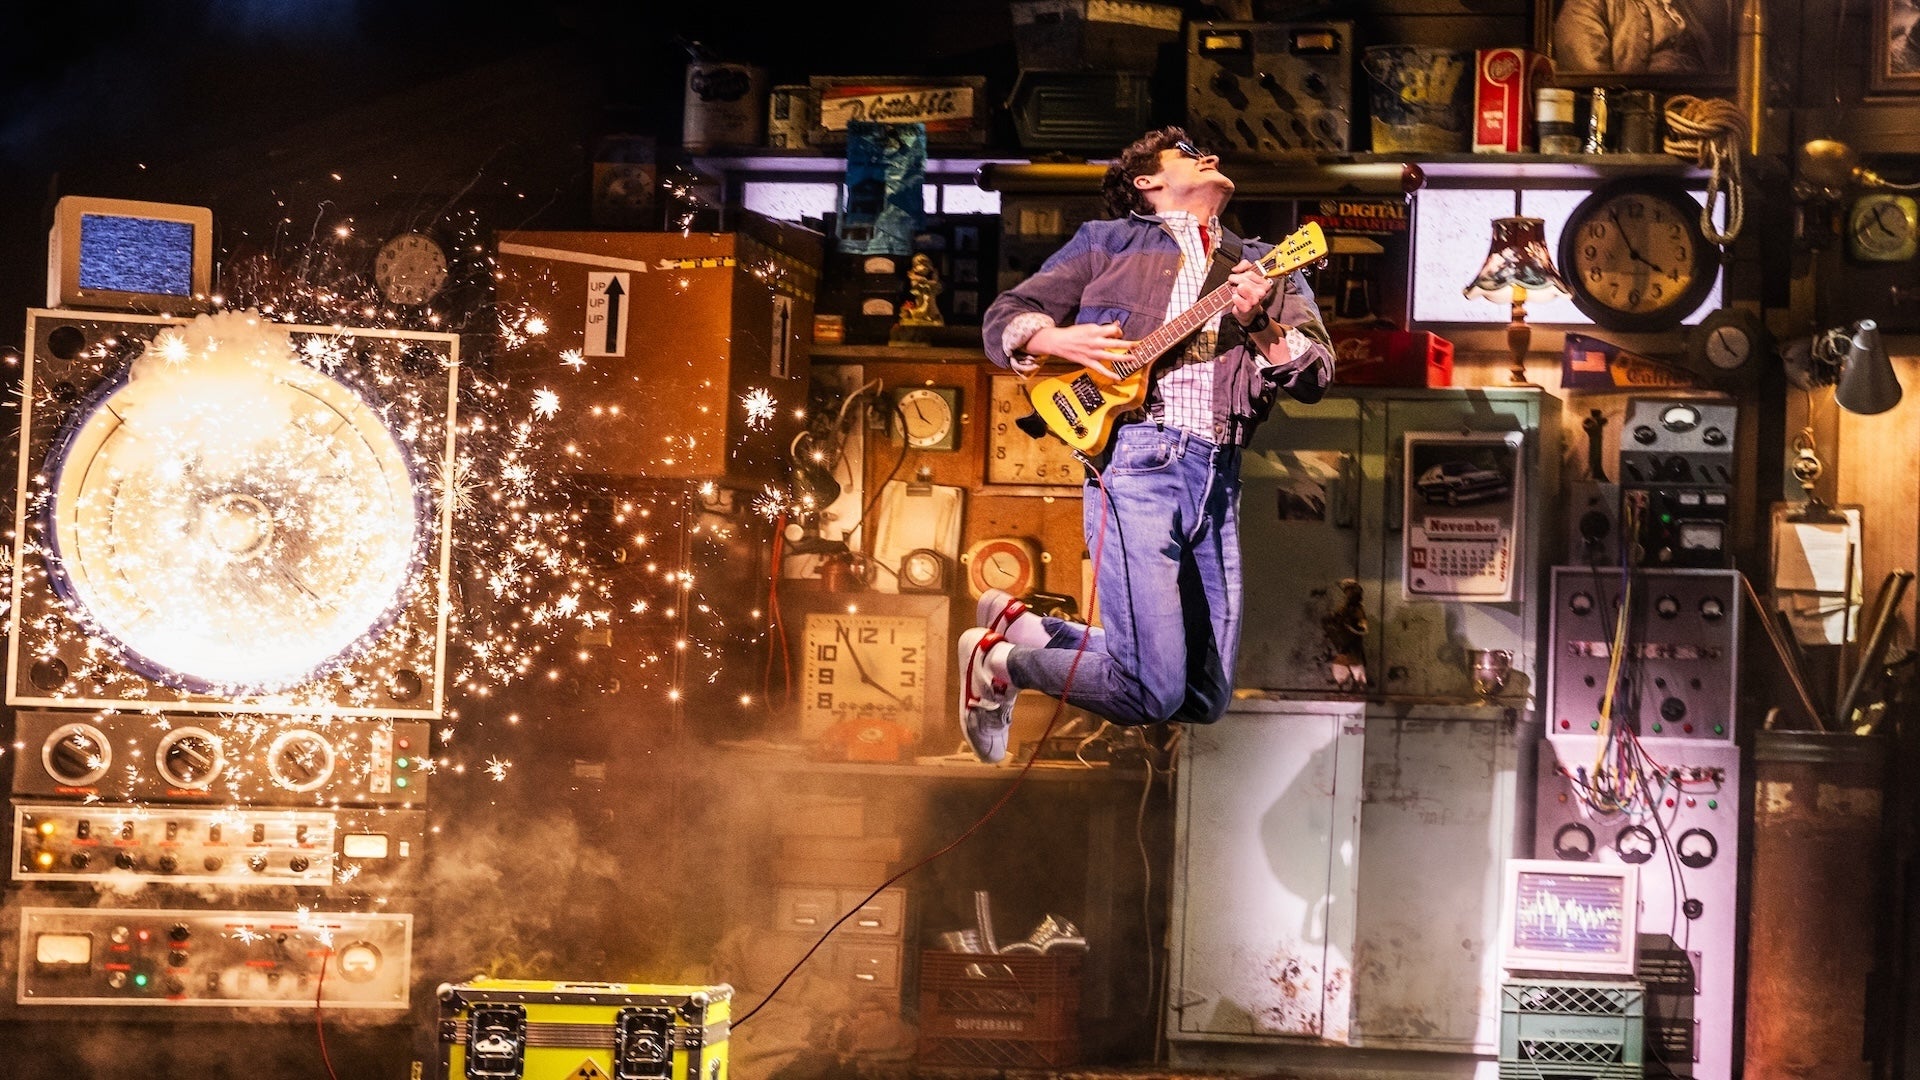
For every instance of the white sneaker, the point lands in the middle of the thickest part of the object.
(986, 703)
(1010, 617)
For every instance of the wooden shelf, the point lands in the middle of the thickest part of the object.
(906, 354)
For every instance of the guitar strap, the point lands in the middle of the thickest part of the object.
(1226, 255)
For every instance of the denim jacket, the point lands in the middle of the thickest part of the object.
(1123, 270)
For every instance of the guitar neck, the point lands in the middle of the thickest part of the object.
(1174, 331)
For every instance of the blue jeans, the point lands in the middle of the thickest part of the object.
(1165, 534)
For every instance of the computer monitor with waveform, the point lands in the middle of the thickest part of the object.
(1570, 918)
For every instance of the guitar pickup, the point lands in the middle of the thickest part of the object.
(1068, 414)
(1088, 392)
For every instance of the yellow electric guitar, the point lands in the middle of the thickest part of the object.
(1081, 407)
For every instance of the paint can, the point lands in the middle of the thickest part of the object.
(725, 106)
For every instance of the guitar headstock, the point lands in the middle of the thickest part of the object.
(1304, 245)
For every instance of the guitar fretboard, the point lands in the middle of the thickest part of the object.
(1175, 330)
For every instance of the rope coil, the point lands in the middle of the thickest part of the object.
(1711, 131)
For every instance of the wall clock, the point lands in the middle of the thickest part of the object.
(1043, 466)
(1635, 256)
(1008, 563)
(410, 269)
(1726, 347)
(873, 656)
(923, 570)
(1883, 227)
(928, 417)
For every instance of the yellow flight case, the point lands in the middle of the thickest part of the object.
(527, 1029)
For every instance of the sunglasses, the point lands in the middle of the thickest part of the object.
(1191, 150)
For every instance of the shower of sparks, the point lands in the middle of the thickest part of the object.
(557, 574)
(760, 407)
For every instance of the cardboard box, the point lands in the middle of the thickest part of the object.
(674, 334)
(536, 1028)
(1504, 81)
(1391, 358)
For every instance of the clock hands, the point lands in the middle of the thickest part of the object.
(1632, 252)
(860, 665)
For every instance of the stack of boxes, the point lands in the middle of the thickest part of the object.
(829, 865)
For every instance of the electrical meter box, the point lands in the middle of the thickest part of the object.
(672, 356)
(525, 1029)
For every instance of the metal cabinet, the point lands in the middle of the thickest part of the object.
(1337, 877)
(1321, 501)
(1265, 825)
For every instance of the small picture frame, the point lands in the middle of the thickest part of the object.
(1896, 47)
(1693, 51)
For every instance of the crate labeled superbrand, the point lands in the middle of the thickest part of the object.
(526, 1029)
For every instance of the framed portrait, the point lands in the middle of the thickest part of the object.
(1896, 46)
(1660, 44)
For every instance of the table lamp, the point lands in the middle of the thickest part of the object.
(1517, 263)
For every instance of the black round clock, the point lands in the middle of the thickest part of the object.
(1634, 254)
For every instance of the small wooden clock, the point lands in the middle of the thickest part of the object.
(1017, 460)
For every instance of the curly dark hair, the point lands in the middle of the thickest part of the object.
(1140, 158)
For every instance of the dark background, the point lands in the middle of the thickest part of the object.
(420, 106)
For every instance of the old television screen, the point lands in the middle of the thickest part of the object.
(1570, 918)
(130, 255)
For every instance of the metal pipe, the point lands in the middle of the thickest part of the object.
(1891, 591)
(1266, 179)
(1750, 71)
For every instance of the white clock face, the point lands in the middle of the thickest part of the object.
(1728, 347)
(1008, 563)
(926, 415)
(864, 666)
(410, 269)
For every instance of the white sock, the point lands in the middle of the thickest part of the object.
(997, 661)
(1028, 630)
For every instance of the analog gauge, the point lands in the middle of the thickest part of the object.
(1696, 848)
(1712, 609)
(189, 757)
(300, 760)
(1679, 417)
(77, 754)
(1666, 607)
(1634, 844)
(1581, 603)
(1574, 842)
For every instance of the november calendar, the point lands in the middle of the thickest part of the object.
(1464, 496)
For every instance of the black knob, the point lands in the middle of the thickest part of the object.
(79, 859)
(1644, 434)
(211, 862)
(179, 932)
(169, 863)
(175, 985)
(177, 958)
(1672, 709)
(256, 863)
(1713, 436)
(124, 860)
(298, 864)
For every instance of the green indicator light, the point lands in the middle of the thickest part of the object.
(400, 762)
(1595, 725)
(399, 781)
(1713, 804)
(1719, 729)
(1658, 728)
(139, 980)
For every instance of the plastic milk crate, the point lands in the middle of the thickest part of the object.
(1020, 1010)
(1566, 1028)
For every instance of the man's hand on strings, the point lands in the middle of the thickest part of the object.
(1091, 345)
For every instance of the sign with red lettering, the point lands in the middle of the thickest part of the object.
(953, 108)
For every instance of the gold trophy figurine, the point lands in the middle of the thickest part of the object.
(923, 287)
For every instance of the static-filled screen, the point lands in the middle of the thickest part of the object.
(136, 255)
